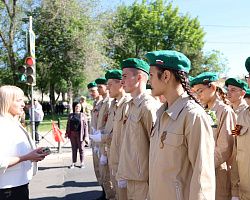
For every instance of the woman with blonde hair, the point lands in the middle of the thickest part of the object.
(17, 152)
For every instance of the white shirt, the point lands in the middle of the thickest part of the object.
(13, 142)
(38, 112)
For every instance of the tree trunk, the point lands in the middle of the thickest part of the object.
(52, 97)
(70, 96)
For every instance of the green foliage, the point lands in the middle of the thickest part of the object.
(61, 29)
(155, 25)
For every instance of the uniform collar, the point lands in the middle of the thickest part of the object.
(139, 99)
(174, 110)
(122, 100)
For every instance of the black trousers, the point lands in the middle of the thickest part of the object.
(15, 193)
(36, 131)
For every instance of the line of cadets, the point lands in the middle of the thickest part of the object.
(193, 146)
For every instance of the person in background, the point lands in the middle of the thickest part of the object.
(86, 108)
(181, 159)
(247, 97)
(38, 117)
(101, 122)
(236, 90)
(93, 92)
(77, 132)
(241, 163)
(223, 121)
(17, 151)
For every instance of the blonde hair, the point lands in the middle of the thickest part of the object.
(8, 94)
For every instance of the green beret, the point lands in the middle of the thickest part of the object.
(190, 78)
(114, 74)
(169, 59)
(101, 81)
(237, 82)
(203, 78)
(91, 85)
(136, 64)
(247, 64)
(247, 95)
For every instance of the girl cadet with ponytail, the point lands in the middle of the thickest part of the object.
(181, 160)
(224, 119)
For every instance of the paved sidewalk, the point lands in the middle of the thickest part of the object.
(55, 181)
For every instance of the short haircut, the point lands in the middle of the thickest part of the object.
(8, 94)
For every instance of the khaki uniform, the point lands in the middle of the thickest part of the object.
(181, 161)
(224, 141)
(243, 105)
(235, 176)
(106, 141)
(241, 174)
(101, 123)
(134, 157)
(121, 109)
(93, 123)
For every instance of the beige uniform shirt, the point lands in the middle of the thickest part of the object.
(226, 120)
(241, 186)
(243, 105)
(103, 113)
(181, 162)
(108, 130)
(118, 134)
(134, 157)
(94, 114)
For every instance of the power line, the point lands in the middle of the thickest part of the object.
(225, 26)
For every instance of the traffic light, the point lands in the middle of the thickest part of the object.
(22, 74)
(30, 65)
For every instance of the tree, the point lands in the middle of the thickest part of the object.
(154, 25)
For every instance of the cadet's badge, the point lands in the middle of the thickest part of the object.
(163, 137)
(236, 130)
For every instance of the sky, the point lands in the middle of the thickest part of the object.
(226, 24)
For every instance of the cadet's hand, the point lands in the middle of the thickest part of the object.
(122, 183)
(235, 198)
(103, 160)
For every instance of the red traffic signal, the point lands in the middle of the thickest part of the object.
(29, 61)
(30, 70)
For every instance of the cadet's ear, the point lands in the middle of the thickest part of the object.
(166, 76)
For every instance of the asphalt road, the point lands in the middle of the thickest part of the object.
(55, 181)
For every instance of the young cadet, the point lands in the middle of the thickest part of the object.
(236, 91)
(93, 92)
(140, 118)
(241, 186)
(114, 125)
(101, 122)
(247, 97)
(181, 160)
(223, 121)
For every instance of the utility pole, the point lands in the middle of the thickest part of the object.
(31, 52)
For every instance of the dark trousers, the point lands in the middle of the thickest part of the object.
(36, 131)
(76, 144)
(15, 193)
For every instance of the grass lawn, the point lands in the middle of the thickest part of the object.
(46, 124)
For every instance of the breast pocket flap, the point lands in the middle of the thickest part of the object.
(175, 140)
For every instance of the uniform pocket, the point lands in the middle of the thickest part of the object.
(174, 140)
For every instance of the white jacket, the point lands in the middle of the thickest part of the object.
(13, 142)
